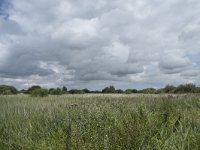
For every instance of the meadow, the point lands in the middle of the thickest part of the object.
(100, 122)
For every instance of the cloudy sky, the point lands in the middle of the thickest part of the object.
(95, 43)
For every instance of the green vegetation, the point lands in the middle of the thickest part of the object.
(56, 91)
(39, 92)
(100, 122)
(7, 90)
(110, 89)
(36, 91)
(183, 88)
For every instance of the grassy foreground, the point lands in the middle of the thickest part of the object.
(100, 122)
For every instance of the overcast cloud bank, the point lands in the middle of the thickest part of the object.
(87, 43)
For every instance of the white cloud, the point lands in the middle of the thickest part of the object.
(81, 43)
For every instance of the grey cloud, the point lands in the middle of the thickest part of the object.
(173, 64)
(80, 42)
(9, 27)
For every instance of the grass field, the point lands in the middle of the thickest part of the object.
(100, 122)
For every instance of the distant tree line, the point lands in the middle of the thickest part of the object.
(7, 90)
(42, 92)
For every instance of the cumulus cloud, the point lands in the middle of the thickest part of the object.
(174, 63)
(96, 43)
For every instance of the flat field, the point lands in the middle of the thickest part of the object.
(100, 122)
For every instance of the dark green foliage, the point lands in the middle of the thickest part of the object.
(75, 91)
(160, 91)
(85, 90)
(169, 89)
(197, 90)
(96, 91)
(7, 90)
(32, 89)
(119, 91)
(56, 91)
(183, 88)
(23, 91)
(39, 92)
(130, 91)
(148, 91)
(64, 89)
(187, 88)
(110, 89)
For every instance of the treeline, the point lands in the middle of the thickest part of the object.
(39, 91)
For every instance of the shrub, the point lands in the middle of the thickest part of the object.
(119, 91)
(64, 89)
(130, 91)
(75, 91)
(169, 89)
(148, 91)
(39, 92)
(7, 90)
(56, 91)
(160, 91)
(187, 88)
(29, 91)
(86, 90)
(110, 89)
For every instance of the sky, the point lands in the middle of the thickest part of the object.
(93, 44)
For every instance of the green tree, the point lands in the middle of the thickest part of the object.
(148, 91)
(169, 89)
(39, 92)
(110, 89)
(34, 87)
(86, 90)
(130, 91)
(64, 89)
(187, 88)
(119, 91)
(75, 91)
(7, 90)
(56, 91)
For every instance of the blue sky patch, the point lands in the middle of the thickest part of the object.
(3, 6)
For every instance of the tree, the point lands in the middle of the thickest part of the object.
(39, 92)
(64, 89)
(56, 91)
(169, 89)
(110, 89)
(160, 91)
(34, 87)
(119, 91)
(75, 91)
(130, 91)
(187, 88)
(148, 91)
(190, 88)
(85, 90)
(7, 90)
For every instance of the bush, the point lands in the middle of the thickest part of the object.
(148, 91)
(110, 89)
(130, 91)
(75, 91)
(56, 91)
(169, 89)
(119, 91)
(29, 91)
(160, 91)
(64, 90)
(187, 88)
(86, 90)
(7, 90)
(39, 92)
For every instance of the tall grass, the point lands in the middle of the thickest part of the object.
(100, 122)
